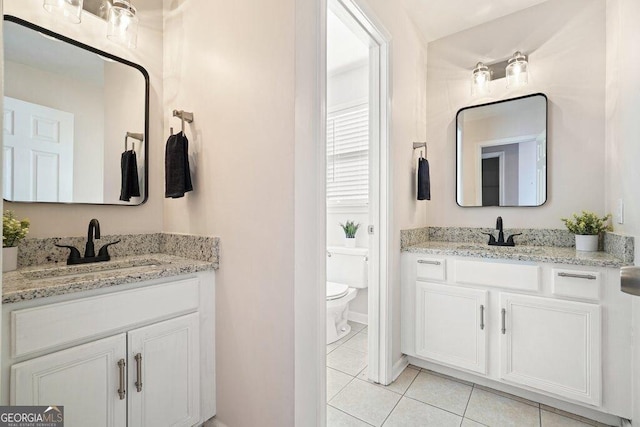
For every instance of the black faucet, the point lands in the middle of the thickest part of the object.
(500, 241)
(89, 252)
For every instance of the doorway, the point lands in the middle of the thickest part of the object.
(358, 167)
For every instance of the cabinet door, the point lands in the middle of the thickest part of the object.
(164, 358)
(450, 325)
(84, 379)
(552, 345)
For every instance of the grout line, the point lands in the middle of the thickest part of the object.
(539, 415)
(434, 406)
(473, 387)
(346, 413)
(393, 409)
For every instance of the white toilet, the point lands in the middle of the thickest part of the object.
(346, 273)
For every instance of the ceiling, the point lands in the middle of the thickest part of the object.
(435, 19)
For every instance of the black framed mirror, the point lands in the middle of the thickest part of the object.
(76, 121)
(501, 153)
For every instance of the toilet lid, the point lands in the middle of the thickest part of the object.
(336, 290)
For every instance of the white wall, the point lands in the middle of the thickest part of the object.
(563, 38)
(233, 65)
(85, 101)
(622, 130)
(72, 220)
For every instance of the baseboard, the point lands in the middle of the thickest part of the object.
(626, 423)
(358, 318)
(399, 366)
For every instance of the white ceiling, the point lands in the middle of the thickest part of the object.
(436, 18)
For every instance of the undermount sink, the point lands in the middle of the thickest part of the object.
(123, 266)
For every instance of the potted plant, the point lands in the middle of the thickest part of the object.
(350, 229)
(587, 227)
(13, 230)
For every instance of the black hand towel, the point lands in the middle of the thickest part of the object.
(424, 182)
(176, 167)
(129, 166)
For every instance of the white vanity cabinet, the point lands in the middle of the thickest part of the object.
(139, 356)
(557, 334)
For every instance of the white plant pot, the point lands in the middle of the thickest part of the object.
(350, 242)
(587, 243)
(9, 259)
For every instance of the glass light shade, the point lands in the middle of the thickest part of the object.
(71, 10)
(480, 80)
(122, 25)
(517, 70)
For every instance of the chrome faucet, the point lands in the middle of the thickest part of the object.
(500, 241)
(93, 232)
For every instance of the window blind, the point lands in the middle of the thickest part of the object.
(348, 156)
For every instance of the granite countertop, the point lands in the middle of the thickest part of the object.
(548, 254)
(49, 280)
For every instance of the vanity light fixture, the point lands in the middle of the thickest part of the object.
(480, 80)
(517, 70)
(70, 10)
(122, 23)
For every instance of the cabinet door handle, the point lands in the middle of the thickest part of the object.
(426, 261)
(578, 276)
(122, 391)
(504, 321)
(482, 317)
(138, 358)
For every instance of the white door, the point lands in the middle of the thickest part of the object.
(451, 325)
(552, 345)
(38, 152)
(84, 379)
(164, 374)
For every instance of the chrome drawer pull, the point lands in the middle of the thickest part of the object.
(122, 391)
(425, 261)
(578, 276)
(482, 317)
(504, 321)
(138, 358)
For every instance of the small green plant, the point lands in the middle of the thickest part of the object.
(13, 230)
(350, 228)
(587, 223)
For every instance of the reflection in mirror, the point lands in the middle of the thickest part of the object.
(502, 153)
(67, 111)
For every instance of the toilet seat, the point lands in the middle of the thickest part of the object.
(336, 290)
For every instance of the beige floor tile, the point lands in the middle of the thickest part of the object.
(499, 411)
(347, 360)
(401, 384)
(411, 413)
(337, 418)
(469, 383)
(333, 346)
(365, 401)
(336, 381)
(572, 416)
(466, 422)
(357, 327)
(440, 392)
(508, 395)
(551, 419)
(358, 342)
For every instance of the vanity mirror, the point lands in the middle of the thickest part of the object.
(70, 112)
(501, 153)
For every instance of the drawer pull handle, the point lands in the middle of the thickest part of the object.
(578, 276)
(426, 261)
(138, 358)
(504, 321)
(122, 391)
(482, 317)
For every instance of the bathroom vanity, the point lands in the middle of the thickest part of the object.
(130, 342)
(544, 323)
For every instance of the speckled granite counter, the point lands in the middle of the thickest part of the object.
(548, 254)
(138, 258)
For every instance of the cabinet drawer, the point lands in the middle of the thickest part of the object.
(501, 275)
(53, 325)
(431, 269)
(581, 284)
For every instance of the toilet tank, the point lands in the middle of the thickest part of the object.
(347, 266)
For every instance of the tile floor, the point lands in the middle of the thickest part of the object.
(422, 398)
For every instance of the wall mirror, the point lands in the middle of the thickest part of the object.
(501, 153)
(75, 121)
